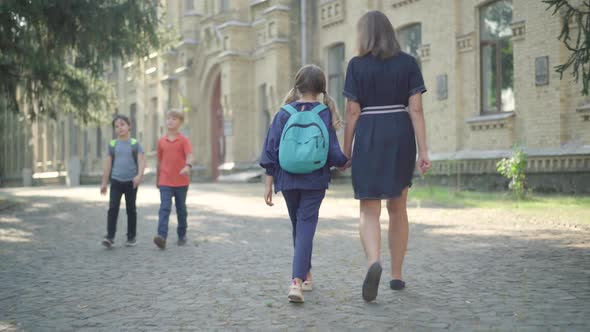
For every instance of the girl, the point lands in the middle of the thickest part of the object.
(384, 89)
(124, 166)
(303, 193)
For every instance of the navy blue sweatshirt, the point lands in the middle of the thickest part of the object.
(284, 180)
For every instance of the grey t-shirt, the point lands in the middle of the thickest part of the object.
(124, 168)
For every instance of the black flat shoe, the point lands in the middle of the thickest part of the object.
(397, 284)
(371, 283)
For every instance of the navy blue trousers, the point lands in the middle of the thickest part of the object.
(304, 208)
(166, 194)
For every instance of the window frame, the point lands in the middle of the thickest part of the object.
(338, 75)
(400, 30)
(497, 58)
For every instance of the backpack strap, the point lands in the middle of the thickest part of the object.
(319, 108)
(134, 149)
(112, 145)
(290, 109)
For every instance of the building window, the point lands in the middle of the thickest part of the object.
(223, 5)
(133, 119)
(336, 74)
(62, 141)
(86, 144)
(98, 142)
(189, 5)
(73, 138)
(497, 64)
(155, 122)
(264, 111)
(410, 40)
(50, 141)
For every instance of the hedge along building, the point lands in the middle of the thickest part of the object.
(236, 60)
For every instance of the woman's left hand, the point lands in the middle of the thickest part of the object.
(268, 196)
(423, 163)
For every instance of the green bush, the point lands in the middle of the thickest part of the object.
(513, 169)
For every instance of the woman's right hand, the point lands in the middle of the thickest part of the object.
(103, 189)
(423, 163)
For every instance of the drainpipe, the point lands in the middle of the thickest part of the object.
(303, 32)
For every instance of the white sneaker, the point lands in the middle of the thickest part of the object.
(307, 286)
(295, 293)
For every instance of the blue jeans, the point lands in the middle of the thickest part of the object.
(166, 194)
(304, 209)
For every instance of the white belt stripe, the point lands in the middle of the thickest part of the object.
(384, 109)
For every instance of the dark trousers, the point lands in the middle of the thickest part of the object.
(166, 194)
(119, 188)
(304, 209)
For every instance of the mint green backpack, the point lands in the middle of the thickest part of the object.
(304, 143)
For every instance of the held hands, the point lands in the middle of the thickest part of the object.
(423, 163)
(268, 195)
(346, 166)
(348, 163)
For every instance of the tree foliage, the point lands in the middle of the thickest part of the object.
(52, 52)
(577, 41)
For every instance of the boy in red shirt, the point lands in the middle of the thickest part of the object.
(175, 157)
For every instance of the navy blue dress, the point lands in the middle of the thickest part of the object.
(384, 153)
(269, 160)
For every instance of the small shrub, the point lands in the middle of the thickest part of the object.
(513, 169)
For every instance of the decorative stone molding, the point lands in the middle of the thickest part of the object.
(547, 164)
(465, 42)
(331, 13)
(424, 52)
(584, 112)
(545, 160)
(518, 30)
(493, 121)
(276, 8)
(401, 3)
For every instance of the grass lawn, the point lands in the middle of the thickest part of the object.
(569, 208)
(560, 208)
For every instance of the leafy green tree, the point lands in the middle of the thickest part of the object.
(52, 52)
(578, 14)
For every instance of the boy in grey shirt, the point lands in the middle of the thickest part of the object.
(125, 163)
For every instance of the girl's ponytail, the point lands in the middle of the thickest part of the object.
(291, 96)
(336, 119)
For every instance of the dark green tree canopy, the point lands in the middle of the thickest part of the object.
(52, 52)
(575, 13)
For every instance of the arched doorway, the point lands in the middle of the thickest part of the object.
(217, 135)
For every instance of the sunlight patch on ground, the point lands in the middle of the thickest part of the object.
(14, 235)
(9, 220)
(7, 326)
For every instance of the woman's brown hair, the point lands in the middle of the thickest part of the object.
(311, 79)
(376, 36)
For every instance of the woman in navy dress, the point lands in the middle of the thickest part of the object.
(384, 116)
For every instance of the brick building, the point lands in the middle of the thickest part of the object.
(488, 66)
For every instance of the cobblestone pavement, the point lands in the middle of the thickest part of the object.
(466, 269)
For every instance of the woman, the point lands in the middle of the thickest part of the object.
(384, 116)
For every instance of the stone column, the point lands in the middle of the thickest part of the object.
(73, 172)
(27, 177)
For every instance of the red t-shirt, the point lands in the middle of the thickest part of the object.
(172, 158)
